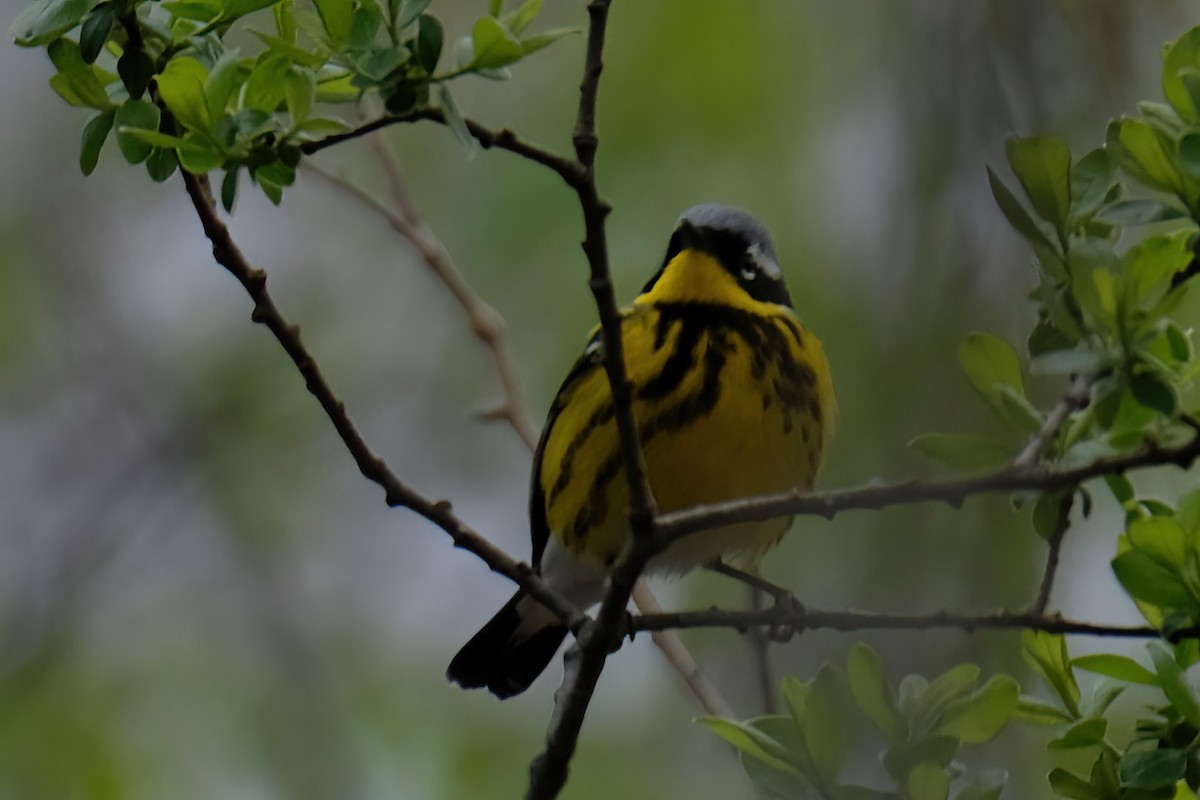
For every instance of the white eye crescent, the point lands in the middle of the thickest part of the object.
(761, 263)
(749, 273)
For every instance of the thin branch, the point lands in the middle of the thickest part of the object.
(801, 619)
(505, 139)
(548, 772)
(760, 651)
(672, 648)
(1062, 522)
(676, 524)
(1074, 399)
(486, 323)
(372, 466)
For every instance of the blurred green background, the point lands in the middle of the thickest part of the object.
(199, 595)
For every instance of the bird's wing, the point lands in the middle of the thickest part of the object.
(591, 360)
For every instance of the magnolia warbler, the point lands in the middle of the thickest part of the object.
(732, 398)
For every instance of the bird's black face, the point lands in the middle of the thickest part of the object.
(739, 242)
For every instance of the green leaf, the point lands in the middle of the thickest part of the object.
(1091, 179)
(1160, 538)
(1174, 683)
(161, 165)
(989, 361)
(983, 714)
(80, 77)
(1181, 55)
(1046, 338)
(199, 160)
(229, 188)
(228, 74)
(197, 11)
(300, 86)
(826, 722)
(1148, 581)
(377, 63)
(531, 44)
(964, 451)
(1179, 342)
(520, 18)
(1143, 156)
(233, 9)
(430, 39)
(297, 55)
(1079, 361)
(336, 16)
(1121, 488)
(900, 759)
(1046, 514)
(136, 69)
(1035, 712)
(135, 114)
(752, 742)
(1065, 784)
(1047, 653)
(182, 87)
(95, 133)
(779, 785)
(1139, 211)
(1152, 769)
(927, 782)
(1043, 166)
(494, 45)
(1014, 409)
(1154, 391)
(1122, 668)
(987, 785)
(455, 121)
(46, 20)
(868, 684)
(162, 140)
(95, 31)
(1085, 733)
(1016, 214)
(1153, 260)
(285, 21)
(410, 11)
(266, 87)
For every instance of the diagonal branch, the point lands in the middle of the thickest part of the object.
(486, 323)
(372, 466)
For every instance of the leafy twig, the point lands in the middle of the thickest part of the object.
(1074, 399)
(570, 171)
(372, 466)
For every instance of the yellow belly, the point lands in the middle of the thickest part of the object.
(745, 417)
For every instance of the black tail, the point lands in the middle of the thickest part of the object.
(504, 659)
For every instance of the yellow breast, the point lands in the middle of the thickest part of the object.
(732, 400)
